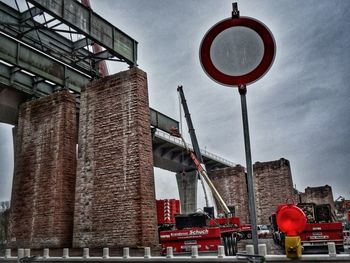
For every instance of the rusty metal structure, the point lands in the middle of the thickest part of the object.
(49, 45)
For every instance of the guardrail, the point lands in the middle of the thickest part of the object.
(204, 152)
(24, 256)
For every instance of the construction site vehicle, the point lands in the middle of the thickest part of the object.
(317, 235)
(167, 209)
(346, 238)
(197, 229)
(246, 231)
(263, 231)
(196, 156)
(277, 235)
(320, 229)
(200, 229)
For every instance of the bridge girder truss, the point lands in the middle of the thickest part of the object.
(43, 49)
(65, 29)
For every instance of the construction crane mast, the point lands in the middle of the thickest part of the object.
(190, 125)
(196, 156)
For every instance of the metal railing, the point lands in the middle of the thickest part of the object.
(24, 255)
(177, 141)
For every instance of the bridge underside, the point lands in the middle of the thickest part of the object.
(170, 154)
(10, 100)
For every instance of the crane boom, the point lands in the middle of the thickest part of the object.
(197, 156)
(201, 169)
(190, 125)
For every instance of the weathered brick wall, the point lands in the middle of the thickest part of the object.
(231, 184)
(42, 199)
(273, 185)
(115, 194)
(318, 195)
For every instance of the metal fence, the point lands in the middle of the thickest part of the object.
(24, 256)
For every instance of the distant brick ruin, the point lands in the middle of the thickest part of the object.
(273, 185)
(231, 184)
(318, 195)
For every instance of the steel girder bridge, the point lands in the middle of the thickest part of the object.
(47, 47)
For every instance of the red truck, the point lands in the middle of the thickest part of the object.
(320, 229)
(166, 211)
(199, 230)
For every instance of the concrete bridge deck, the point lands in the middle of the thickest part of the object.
(169, 153)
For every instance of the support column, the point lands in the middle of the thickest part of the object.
(115, 194)
(231, 183)
(42, 199)
(187, 183)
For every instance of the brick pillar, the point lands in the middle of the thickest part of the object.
(319, 195)
(231, 184)
(42, 200)
(273, 186)
(115, 193)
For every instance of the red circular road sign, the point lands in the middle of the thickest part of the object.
(237, 51)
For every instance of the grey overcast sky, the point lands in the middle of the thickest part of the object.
(299, 110)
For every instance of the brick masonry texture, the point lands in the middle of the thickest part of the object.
(115, 193)
(273, 185)
(319, 195)
(232, 186)
(42, 200)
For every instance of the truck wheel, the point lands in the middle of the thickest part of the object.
(230, 245)
(249, 235)
(230, 248)
(234, 245)
(227, 245)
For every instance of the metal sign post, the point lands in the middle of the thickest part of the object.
(242, 89)
(238, 51)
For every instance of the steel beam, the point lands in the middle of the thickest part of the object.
(16, 24)
(24, 82)
(93, 26)
(162, 121)
(37, 63)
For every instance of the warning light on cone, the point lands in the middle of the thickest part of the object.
(292, 221)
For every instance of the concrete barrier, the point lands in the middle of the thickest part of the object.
(105, 252)
(65, 253)
(169, 252)
(194, 256)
